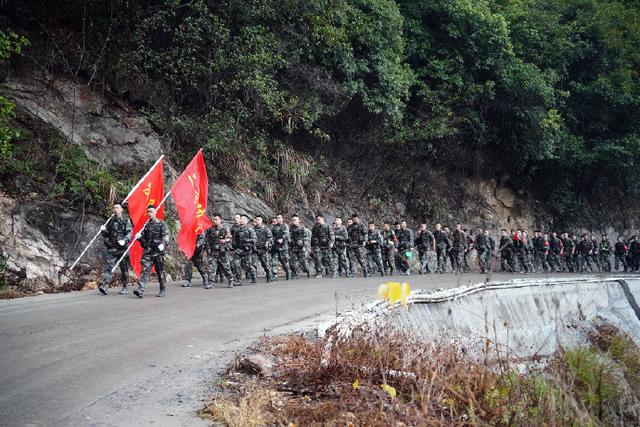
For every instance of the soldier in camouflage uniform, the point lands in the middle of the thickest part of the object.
(357, 238)
(604, 250)
(217, 245)
(595, 253)
(539, 255)
(389, 242)
(340, 247)
(620, 254)
(197, 260)
(281, 237)
(425, 243)
(585, 249)
(116, 235)
(264, 241)
(243, 243)
(528, 250)
(507, 263)
(442, 244)
(634, 254)
(519, 251)
(467, 250)
(491, 245)
(405, 247)
(153, 238)
(298, 249)
(234, 267)
(568, 249)
(322, 241)
(459, 244)
(555, 249)
(373, 246)
(481, 244)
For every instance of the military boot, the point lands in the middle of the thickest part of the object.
(163, 290)
(206, 283)
(253, 278)
(186, 284)
(125, 289)
(104, 288)
(139, 292)
(288, 274)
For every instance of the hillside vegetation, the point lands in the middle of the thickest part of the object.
(545, 93)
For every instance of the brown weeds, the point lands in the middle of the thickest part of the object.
(392, 379)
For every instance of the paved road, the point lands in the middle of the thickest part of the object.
(85, 359)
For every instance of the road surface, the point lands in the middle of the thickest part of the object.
(84, 359)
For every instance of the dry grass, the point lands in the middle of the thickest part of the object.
(247, 411)
(433, 384)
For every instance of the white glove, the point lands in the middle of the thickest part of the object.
(161, 247)
(103, 227)
(138, 235)
(122, 242)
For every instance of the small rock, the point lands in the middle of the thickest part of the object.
(257, 364)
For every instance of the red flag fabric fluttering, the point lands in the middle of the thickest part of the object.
(149, 192)
(190, 195)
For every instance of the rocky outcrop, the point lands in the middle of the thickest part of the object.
(29, 256)
(113, 135)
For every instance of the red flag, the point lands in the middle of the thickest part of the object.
(149, 192)
(190, 194)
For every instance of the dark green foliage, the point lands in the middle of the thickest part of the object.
(548, 90)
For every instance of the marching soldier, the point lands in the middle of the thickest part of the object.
(340, 247)
(264, 241)
(481, 244)
(620, 254)
(373, 245)
(459, 244)
(442, 243)
(389, 241)
(298, 252)
(506, 253)
(280, 232)
(244, 241)
(218, 245)
(425, 242)
(555, 249)
(322, 241)
(604, 251)
(153, 238)
(197, 260)
(116, 235)
(405, 247)
(357, 237)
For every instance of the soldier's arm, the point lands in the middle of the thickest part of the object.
(269, 237)
(165, 233)
(128, 230)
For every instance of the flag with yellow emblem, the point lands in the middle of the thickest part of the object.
(190, 194)
(149, 192)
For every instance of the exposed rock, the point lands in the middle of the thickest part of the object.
(112, 135)
(28, 253)
(229, 202)
(256, 364)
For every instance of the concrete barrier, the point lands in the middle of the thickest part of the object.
(521, 317)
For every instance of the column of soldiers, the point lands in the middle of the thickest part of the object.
(236, 253)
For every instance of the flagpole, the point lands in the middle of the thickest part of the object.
(134, 237)
(109, 219)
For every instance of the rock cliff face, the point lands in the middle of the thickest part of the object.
(39, 241)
